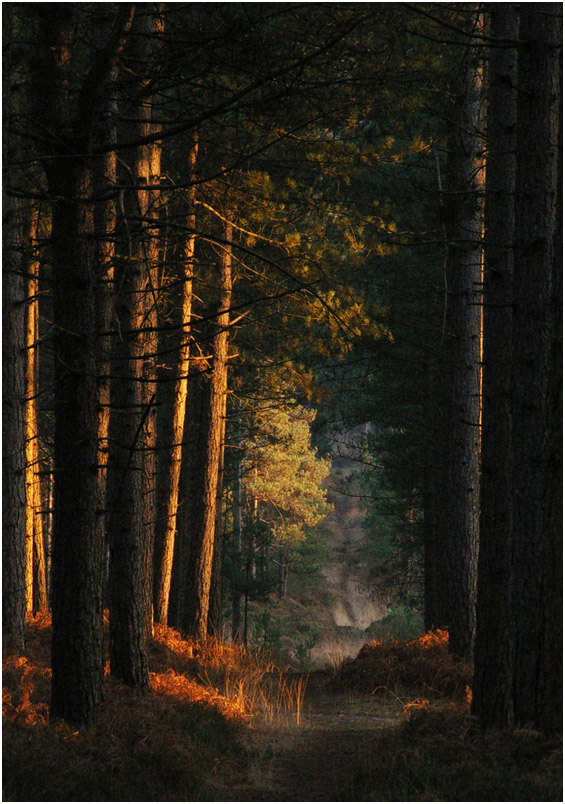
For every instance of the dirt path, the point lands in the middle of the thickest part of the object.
(312, 761)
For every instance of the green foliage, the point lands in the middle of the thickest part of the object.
(287, 633)
(282, 500)
(283, 474)
(307, 560)
(266, 633)
(401, 623)
(394, 517)
(308, 636)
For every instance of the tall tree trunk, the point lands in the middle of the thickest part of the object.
(77, 554)
(172, 427)
(105, 221)
(536, 599)
(77, 549)
(36, 582)
(462, 520)
(492, 686)
(132, 421)
(237, 534)
(215, 611)
(206, 479)
(13, 371)
(436, 606)
(76, 571)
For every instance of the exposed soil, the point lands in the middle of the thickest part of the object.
(316, 759)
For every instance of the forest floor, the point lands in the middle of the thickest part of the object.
(222, 724)
(313, 756)
(353, 746)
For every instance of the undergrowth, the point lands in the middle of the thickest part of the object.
(422, 666)
(161, 746)
(190, 736)
(438, 755)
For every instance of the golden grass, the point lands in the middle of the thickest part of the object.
(179, 686)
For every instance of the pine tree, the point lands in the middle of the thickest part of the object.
(65, 109)
(493, 680)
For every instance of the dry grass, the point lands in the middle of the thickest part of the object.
(423, 666)
(439, 755)
(183, 740)
(241, 684)
(162, 746)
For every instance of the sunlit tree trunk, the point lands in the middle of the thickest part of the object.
(36, 582)
(237, 532)
(105, 221)
(216, 588)
(492, 686)
(133, 426)
(205, 487)
(172, 427)
(536, 568)
(463, 349)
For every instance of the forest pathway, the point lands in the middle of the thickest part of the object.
(312, 761)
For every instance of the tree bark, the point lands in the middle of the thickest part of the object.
(462, 520)
(13, 374)
(132, 421)
(236, 632)
(173, 424)
(208, 460)
(36, 583)
(215, 611)
(66, 120)
(106, 224)
(536, 591)
(492, 685)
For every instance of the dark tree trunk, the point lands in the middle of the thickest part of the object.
(215, 612)
(193, 446)
(536, 599)
(132, 477)
(236, 632)
(77, 549)
(492, 686)
(436, 605)
(76, 554)
(13, 373)
(463, 350)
